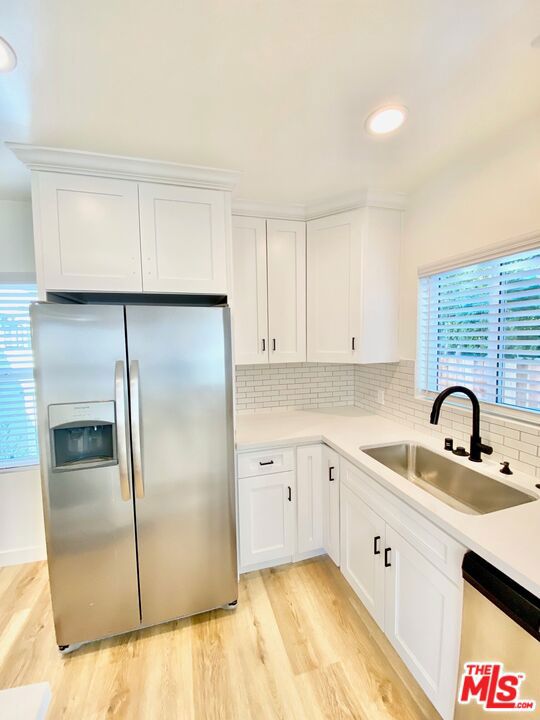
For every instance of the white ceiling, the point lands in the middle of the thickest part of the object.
(278, 89)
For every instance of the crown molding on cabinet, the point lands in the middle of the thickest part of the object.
(352, 201)
(342, 203)
(80, 162)
(268, 210)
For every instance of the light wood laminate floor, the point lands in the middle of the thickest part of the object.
(299, 646)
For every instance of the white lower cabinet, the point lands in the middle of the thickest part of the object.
(309, 516)
(330, 503)
(280, 499)
(362, 544)
(422, 613)
(294, 504)
(266, 518)
(416, 604)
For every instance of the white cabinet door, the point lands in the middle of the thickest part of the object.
(423, 620)
(362, 552)
(249, 291)
(183, 239)
(286, 251)
(330, 495)
(87, 233)
(309, 499)
(353, 286)
(266, 518)
(333, 287)
(379, 303)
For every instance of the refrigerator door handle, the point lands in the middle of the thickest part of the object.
(120, 398)
(136, 428)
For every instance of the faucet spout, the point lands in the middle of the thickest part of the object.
(477, 447)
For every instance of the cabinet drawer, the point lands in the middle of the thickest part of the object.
(264, 463)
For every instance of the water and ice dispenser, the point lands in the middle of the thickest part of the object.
(83, 435)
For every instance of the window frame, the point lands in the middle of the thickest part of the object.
(21, 278)
(498, 412)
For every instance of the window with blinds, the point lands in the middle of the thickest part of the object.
(18, 437)
(479, 326)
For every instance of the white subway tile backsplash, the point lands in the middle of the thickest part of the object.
(260, 388)
(511, 440)
(270, 388)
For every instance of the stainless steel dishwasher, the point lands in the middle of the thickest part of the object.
(501, 627)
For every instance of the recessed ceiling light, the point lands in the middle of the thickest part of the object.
(8, 59)
(386, 119)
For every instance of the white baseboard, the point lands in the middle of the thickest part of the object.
(297, 557)
(307, 555)
(18, 556)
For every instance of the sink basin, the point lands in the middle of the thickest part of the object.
(455, 484)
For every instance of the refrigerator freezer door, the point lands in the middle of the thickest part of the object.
(181, 396)
(80, 360)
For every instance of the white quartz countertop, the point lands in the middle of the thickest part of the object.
(509, 539)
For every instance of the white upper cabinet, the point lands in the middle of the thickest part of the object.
(250, 291)
(182, 239)
(353, 286)
(269, 286)
(87, 232)
(286, 253)
(379, 286)
(333, 316)
(107, 223)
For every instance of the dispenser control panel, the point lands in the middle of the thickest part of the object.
(83, 435)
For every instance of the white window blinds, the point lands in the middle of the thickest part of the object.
(18, 441)
(479, 326)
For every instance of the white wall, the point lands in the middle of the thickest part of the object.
(16, 242)
(21, 522)
(22, 538)
(490, 196)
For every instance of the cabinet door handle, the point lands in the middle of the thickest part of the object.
(274, 344)
(387, 552)
(330, 469)
(266, 462)
(353, 343)
(376, 547)
(290, 493)
(263, 345)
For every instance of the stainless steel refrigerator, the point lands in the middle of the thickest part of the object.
(136, 444)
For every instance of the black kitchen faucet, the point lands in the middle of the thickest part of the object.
(477, 446)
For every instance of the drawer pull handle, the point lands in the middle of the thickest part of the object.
(376, 547)
(267, 462)
(263, 345)
(387, 552)
(290, 493)
(330, 470)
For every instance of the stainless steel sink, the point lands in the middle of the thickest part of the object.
(455, 484)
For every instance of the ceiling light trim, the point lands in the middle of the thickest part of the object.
(378, 112)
